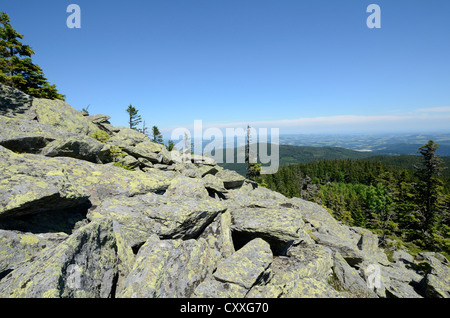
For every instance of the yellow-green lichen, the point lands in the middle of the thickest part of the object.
(29, 239)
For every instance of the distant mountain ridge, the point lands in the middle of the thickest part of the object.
(409, 149)
(386, 144)
(403, 158)
(303, 154)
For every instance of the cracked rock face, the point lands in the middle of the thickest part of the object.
(74, 224)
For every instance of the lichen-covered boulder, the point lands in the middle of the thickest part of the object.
(32, 190)
(27, 136)
(214, 184)
(29, 179)
(17, 247)
(188, 187)
(438, 277)
(84, 265)
(61, 115)
(218, 236)
(348, 280)
(168, 269)
(147, 150)
(127, 137)
(368, 245)
(98, 119)
(14, 102)
(231, 179)
(84, 148)
(169, 218)
(346, 248)
(247, 266)
(212, 288)
(302, 261)
(309, 288)
(278, 226)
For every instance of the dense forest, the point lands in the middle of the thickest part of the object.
(298, 154)
(405, 199)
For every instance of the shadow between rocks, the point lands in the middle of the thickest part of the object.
(62, 220)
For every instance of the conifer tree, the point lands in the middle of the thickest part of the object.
(144, 129)
(429, 185)
(134, 118)
(16, 67)
(156, 135)
(253, 168)
(170, 145)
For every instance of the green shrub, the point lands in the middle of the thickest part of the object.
(101, 136)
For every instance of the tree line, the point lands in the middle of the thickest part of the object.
(412, 205)
(134, 119)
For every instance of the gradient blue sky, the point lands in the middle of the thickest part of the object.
(304, 66)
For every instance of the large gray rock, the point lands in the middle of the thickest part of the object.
(231, 179)
(438, 277)
(312, 260)
(30, 136)
(17, 247)
(23, 136)
(169, 218)
(309, 288)
(61, 115)
(279, 226)
(347, 279)
(188, 187)
(169, 268)
(213, 183)
(52, 183)
(13, 102)
(84, 265)
(219, 237)
(33, 190)
(247, 266)
(347, 249)
(126, 137)
(212, 288)
(85, 148)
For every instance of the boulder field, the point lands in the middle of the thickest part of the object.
(89, 210)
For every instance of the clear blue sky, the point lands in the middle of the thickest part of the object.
(298, 65)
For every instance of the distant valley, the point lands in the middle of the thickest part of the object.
(380, 144)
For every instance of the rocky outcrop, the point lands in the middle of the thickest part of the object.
(75, 223)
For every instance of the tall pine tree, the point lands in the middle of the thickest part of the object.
(251, 158)
(16, 67)
(429, 185)
(133, 118)
(156, 135)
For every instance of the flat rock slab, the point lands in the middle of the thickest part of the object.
(168, 217)
(278, 226)
(231, 179)
(246, 266)
(33, 183)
